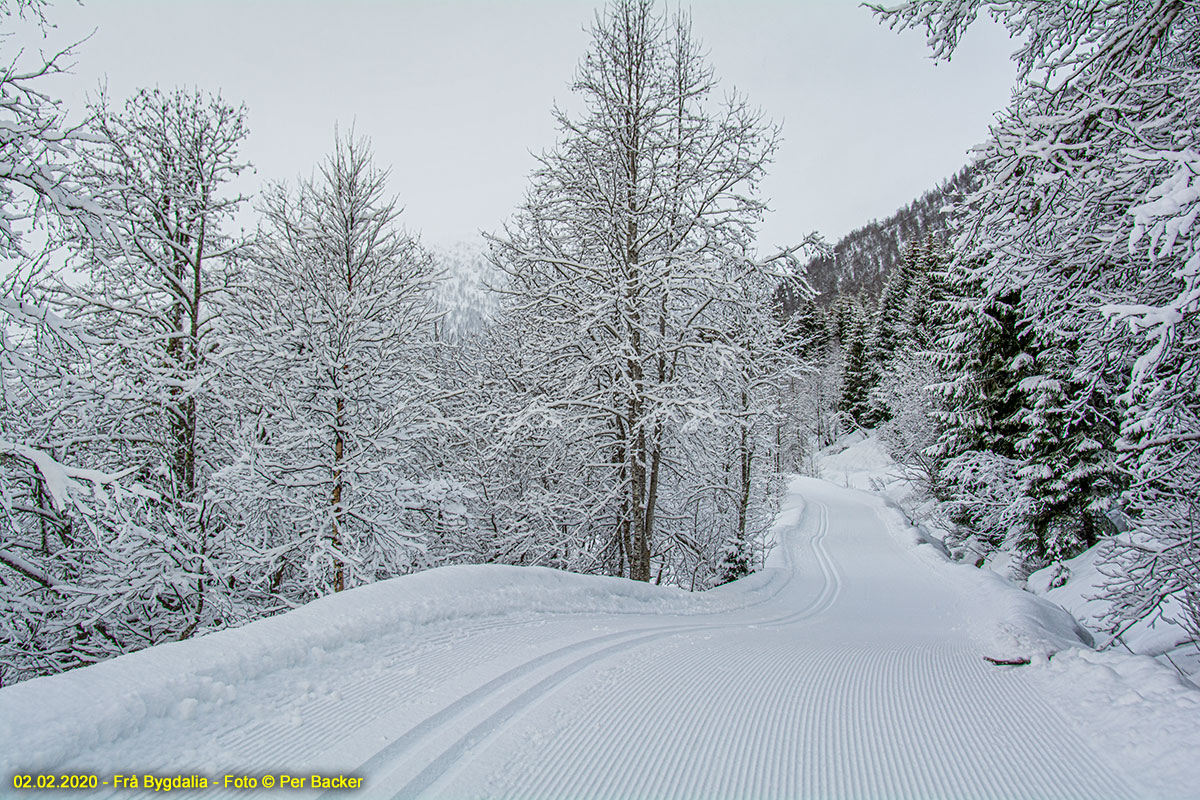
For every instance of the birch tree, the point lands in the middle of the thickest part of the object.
(334, 484)
(630, 254)
(120, 421)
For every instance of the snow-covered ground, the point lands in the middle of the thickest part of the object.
(1132, 706)
(853, 666)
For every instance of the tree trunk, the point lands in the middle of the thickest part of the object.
(339, 580)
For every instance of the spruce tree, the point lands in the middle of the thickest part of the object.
(1085, 207)
(1069, 472)
(984, 353)
(856, 379)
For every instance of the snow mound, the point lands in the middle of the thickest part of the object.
(1078, 585)
(172, 680)
(1011, 624)
(856, 461)
(1129, 703)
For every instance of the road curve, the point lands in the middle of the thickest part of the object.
(849, 671)
(859, 678)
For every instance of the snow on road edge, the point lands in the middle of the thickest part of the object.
(47, 720)
(1124, 703)
(1010, 622)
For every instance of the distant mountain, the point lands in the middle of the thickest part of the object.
(863, 258)
(463, 295)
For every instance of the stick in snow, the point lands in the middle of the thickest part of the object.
(1005, 662)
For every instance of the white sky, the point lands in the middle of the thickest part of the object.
(456, 94)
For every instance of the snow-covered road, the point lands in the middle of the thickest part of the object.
(852, 667)
(858, 678)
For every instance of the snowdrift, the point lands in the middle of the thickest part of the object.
(120, 695)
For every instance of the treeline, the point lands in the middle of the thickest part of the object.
(199, 428)
(861, 261)
(1038, 368)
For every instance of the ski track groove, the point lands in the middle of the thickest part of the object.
(327, 717)
(926, 719)
(581, 772)
(490, 725)
(714, 710)
(397, 749)
(849, 721)
(270, 741)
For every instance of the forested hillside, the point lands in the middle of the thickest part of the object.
(202, 425)
(862, 259)
(1036, 369)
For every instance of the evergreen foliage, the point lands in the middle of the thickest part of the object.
(1081, 232)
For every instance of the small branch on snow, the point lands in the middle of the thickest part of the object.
(1007, 662)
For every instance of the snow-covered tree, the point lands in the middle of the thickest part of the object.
(1085, 211)
(857, 374)
(628, 269)
(807, 395)
(153, 299)
(38, 179)
(120, 396)
(42, 200)
(157, 289)
(901, 326)
(334, 483)
(464, 295)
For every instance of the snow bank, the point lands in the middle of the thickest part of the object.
(118, 696)
(1078, 586)
(1011, 624)
(857, 461)
(1129, 704)
(1134, 706)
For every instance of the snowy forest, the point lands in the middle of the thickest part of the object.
(200, 427)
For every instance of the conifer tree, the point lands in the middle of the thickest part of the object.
(1084, 212)
(983, 353)
(858, 374)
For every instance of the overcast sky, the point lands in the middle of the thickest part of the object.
(456, 94)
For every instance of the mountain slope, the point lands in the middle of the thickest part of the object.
(863, 258)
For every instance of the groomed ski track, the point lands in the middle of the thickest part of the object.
(849, 671)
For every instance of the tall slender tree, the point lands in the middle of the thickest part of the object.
(330, 354)
(626, 262)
